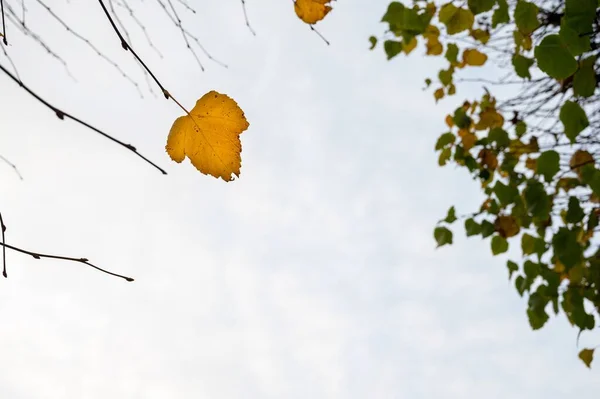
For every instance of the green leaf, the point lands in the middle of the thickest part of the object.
(527, 244)
(444, 140)
(521, 284)
(442, 236)
(460, 118)
(537, 200)
(584, 81)
(512, 267)
(522, 65)
(554, 58)
(487, 229)
(479, 6)
(548, 164)
(536, 312)
(574, 119)
(576, 44)
(580, 14)
(526, 17)
(373, 41)
(520, 128)
(472, 228)
(499, 136)
(532, 245)
(499, 245)
(574, 212)
(587, 357)
(456, 19)
(451, 216)
(445, 76)
(505, 194)
(531, 269)
(566, 247)
(452, 53)
(591, 176)
(501, 15)
(392, 48)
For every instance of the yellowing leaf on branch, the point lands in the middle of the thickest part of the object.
(209, 136)
(489, 119)
(474, 57)
(312, 11)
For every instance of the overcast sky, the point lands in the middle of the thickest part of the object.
(312, 276)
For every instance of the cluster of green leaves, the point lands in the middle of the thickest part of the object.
(544, 198)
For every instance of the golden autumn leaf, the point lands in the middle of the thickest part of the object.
(433, 45)
(474, 57)
(438, 94)
(467, 138)
(312, 11)
(209, 136)
(407, 48)
(489, 119)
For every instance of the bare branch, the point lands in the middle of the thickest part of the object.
(3, 228)
(12, 165)
(61, 115)
(84, 261)
(246, 18)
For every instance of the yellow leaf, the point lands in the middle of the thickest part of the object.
(479, 34)
(431, 31)
(449, 121)
(312, 11)
(468, 139)
(474, 57)
(489, 118)
(209, 136)
(438, 94)
(410, 46)
(434, 46)
(456, 19)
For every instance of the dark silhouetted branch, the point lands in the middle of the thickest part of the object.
(61, 115)
(67, 258)
(3, 228)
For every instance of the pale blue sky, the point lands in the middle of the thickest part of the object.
(312, 276)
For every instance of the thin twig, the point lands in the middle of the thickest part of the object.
(90, 45)
(3, 228)
(3, 24)
(12, 165)
(246, 18)
(61, 115)
(128, 47)
(85, 261)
